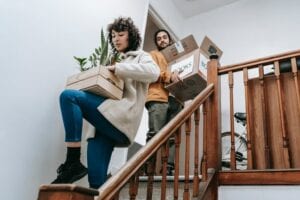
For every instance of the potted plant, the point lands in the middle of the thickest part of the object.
(102, 56)
(94, 77)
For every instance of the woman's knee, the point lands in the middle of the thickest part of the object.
(67, 94)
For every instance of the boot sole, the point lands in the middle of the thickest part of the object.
(78, 176)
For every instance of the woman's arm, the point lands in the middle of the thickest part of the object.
(145, 70)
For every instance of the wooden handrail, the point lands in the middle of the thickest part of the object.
(261, 61)
(116, 182)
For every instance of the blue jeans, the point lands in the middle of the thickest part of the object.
(76, 105)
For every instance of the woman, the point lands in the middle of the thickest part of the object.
(116, 121)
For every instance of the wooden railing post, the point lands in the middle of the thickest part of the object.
(214, 117)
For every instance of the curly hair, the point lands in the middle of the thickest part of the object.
(125, 24)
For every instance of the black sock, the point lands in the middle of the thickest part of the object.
(73, 155)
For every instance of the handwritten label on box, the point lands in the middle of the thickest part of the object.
(184, 67)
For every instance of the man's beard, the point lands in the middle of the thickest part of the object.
(161, 48)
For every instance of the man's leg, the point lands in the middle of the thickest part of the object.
(157, 116)
(174, 108)
(157, 112)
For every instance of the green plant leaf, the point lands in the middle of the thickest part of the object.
(97, 51)
(80, 60)
(104, 53)
(102, 38)
(94, 56)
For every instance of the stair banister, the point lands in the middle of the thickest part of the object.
(116, 182)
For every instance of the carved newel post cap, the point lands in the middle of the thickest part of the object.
(213, 56)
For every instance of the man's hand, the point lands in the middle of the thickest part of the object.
(175, 76)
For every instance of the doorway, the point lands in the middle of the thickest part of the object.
(154, 22)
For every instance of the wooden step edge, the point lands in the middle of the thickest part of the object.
(69, 188)
(168, 178)
(260, 177)
(208, 189)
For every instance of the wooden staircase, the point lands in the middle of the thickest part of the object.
(272, 105)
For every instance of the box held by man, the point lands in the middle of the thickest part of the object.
(183, 56)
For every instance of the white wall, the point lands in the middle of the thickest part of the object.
(245, 30)
(249, 29)
(259, 192)
(38, 40)
(170, 15)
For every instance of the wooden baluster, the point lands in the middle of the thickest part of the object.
(295, 76)
(282, 117)
(232, 138)
(133, 186)
(186, 195)
(164, 160)
(264, 111)
(196, 154)
(249, 145)
(204, 158)
(177, 151)
(150, 169)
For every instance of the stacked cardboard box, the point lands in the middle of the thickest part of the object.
(184, 56)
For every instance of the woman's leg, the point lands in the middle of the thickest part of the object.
(71, 103)
(76, 105)
(98, 155)
(100, 148)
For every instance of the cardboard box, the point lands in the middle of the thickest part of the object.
(208, 48)
(98, 80)
(183, 56)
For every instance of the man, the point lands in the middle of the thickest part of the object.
(160, 105)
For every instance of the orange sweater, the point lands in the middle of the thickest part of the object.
(157, 91)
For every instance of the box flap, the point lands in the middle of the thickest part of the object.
(207, 48)
(180, 48)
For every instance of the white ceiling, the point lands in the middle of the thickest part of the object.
(190, 8)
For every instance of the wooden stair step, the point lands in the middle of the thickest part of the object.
(260, 177)
(66, 192)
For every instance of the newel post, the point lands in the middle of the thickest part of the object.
(214, 116)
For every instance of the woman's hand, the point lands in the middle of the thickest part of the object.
(111, 68)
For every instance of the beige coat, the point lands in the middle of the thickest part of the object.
(137, 69)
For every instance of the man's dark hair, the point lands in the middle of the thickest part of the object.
(162, 30)
(125, 24)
